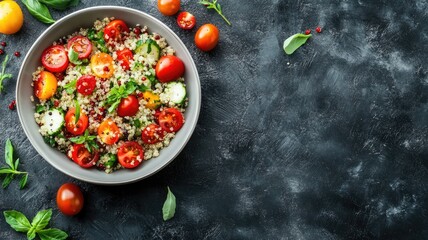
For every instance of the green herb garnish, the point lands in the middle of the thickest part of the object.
(87, 140)
(60, 4)
(112, 161)
(168, 209)
(77, 112)
(12, 168)
(117, 93)
(39, 11)
(73, 56)
(71, 87)
(216, 6)
(98, 39)
(292, 43)
(40, 108)
(20, 223)
(4, 75)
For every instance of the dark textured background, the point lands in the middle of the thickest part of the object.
(329, 143)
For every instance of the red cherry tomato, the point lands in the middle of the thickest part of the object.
(128, 106)
(130, 154)
(152, 134)
(169, 68)
(206, 37)
(80, 155)
(86, 84)
(69, 199)
(171, 120)
(156, 116)
(55, 59)
(168, 7)
(186, 20)
(71, 125)
(124, 57)
(113, 31)
(82, 45)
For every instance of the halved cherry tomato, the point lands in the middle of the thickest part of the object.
(82, 45)
(55, 59)
(45, 86)
(156, 116)
(108, 132)
(80, 155)
(152, 134)
(86, 84)
(113, 31)
(168, 7)
(102, 65)
(169, 68)
(186, 20)
(128, 106)
(152, 99)
(71, 125)
(171, 120)
(206, 37)
(124, 56)
(130, 154)
(69, 199)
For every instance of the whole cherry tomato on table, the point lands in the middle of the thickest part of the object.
(69, 199)
(186, 20)
(130, 154)
(206, 37)
(11, 17)
(169, 68)
(55, 59)
(168, 7)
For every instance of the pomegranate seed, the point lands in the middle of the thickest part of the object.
(139, 95)
(143, 78)
(318, 29)
(17, 54)
(12, 105)
(1, 51)
(308, 31)
(106, 69)
(56, 103)
(137, 31)
(3, 44)
(157, 37)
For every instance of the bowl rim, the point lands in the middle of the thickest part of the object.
(57, 165)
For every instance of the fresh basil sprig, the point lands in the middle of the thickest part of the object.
(60, 4)
(77, 112)
(216, 6)
(71, 86)
(12, 169)
(39, 11)
(168, 208)
(117, 93)
(4, 75)
(73, 56)
(20, 223)
(292, 43)
(87, 140)
(98, 38)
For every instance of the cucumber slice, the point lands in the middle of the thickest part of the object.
(150, 49)
(53, 120)
(176, 92)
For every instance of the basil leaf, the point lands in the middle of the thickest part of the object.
(168, 209)
(111, 162)
(39, 11)
(23, 181)
(114, 106)
(16, 164)
(73, 56)
(9, 154)
(71, 86)
(7, 180)
(137, 123)
(60, 4)
(292, 43)
(6, 170)
(52, 234)
(41, 220)
(78, 140)
(31, 234)
(17, 220)
(40, 108)
(77, 112)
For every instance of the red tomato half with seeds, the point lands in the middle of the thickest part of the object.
(71, 125)
(82, 45)
(186, 20)
(124, 57)
(114, 30)
(69, 199)
(171, 120)
(128, 106)
(169, 68)
(80, 155)
(86, 84)
(55, 59)
(130, 154)
(152, 134)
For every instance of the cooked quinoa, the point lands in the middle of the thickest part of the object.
(137, 74)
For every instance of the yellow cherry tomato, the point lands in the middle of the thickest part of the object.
(102, 65)
(11, 17)
(153, 100)
(45, 86)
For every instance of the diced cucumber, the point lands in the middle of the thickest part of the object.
(150, 49)
(53, 121)
(175, 92)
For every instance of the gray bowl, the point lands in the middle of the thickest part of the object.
(70, 24)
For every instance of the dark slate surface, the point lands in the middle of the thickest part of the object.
(329, 143)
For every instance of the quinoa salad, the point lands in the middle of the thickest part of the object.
(111, 96)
